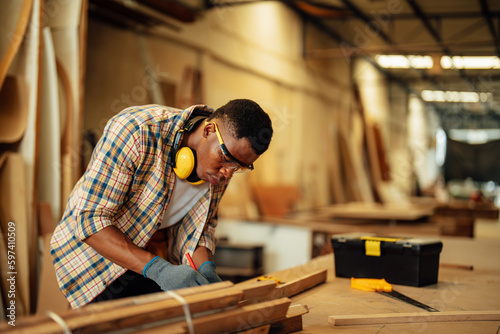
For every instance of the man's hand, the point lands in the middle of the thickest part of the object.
(207, 269)
(171, 277)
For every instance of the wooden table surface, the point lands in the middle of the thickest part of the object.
(456, 290)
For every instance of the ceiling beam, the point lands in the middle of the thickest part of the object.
(416, 48)
(427, 23)
(306, 17)
(370, 22)
(487, 15)
(437, 16)
(437, 37)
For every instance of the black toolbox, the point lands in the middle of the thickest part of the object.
(405, 261)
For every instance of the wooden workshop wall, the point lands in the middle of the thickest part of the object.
(237, 59)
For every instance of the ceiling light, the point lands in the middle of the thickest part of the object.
(470, 62)
(474, 136)
(400, 61)
(454, 96)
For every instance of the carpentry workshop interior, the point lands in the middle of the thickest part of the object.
(373, 209)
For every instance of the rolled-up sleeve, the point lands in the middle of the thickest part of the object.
(207, 238)
(109, 177)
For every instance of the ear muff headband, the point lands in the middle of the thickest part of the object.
(184, 163)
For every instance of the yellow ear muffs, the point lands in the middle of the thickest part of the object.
(184, 163)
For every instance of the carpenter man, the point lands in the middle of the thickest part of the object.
(148, 201)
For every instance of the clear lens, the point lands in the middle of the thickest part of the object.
(239, 170)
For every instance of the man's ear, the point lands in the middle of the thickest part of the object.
(208, 128)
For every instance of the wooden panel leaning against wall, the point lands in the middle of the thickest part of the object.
(30, 147)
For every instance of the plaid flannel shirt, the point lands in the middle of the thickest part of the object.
(128, 184)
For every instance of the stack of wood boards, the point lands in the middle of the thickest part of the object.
(376, 211)
(249, 307)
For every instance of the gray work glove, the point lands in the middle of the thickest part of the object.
(171, 277)
(207, 269)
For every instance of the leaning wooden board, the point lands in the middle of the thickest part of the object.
(14, 16)
(27, 64)
(49, 184)
(457, 291)
(14, 219)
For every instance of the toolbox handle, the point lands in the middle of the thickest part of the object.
(380, 239)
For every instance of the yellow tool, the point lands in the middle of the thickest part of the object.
(383, 287)
(267, 278)
(369, 284)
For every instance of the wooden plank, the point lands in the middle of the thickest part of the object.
(291, 288)
(5, 284)
(106, 306)
(400, 318)
(66, 36)
(301, 284)
(140, 311)
(144, 299)
(13, 218)
(287, 325)
(14, 111)
(82, 57)
(134, 315)
(257, 330)
(67, 14)
(13, 26)
(27, 65)
(292, 322)
(67, 162)
(235, 320)
(333, 161)
(297, 309)
(243, 317)
(49, 182)
(355, 136)
(349, 170)
(257, 289)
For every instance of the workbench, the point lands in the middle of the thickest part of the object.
(458, 289)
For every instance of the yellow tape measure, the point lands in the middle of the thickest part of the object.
(268, 278)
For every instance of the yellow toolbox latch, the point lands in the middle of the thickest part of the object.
(372, 244)
(372, 248)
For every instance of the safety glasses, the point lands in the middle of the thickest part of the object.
(234, 164)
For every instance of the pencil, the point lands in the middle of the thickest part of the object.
(191, 263)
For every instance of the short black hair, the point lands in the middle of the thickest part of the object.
(247, 120)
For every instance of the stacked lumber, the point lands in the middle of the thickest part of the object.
(250, 307)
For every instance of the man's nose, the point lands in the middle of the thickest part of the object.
(227, 172)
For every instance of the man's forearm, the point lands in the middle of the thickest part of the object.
(115, 246)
